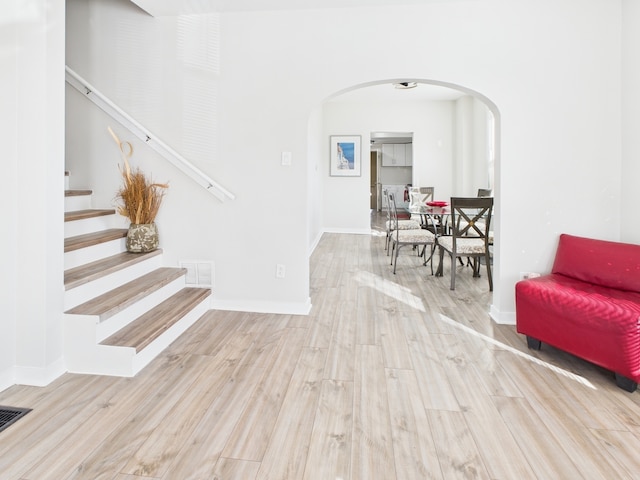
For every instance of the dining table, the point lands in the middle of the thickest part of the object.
(433, 217)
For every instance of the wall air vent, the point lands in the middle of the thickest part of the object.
(200, 273)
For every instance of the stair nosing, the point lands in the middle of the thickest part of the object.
(106, 266)
(88, 213)
(160, 320)
(128, 293)
(77, 192)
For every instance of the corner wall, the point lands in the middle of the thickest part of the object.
(32, 314)
(630, 229)
(529, 58)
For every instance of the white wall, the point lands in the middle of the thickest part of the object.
(33, 68)
(315, 174)
(170, 82)
(551, 67)
(630, 227)
(9, 196)
(471, 159)
(529, 58)
(537, 61)
(431, 123)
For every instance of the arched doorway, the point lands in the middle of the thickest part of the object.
(451, 156)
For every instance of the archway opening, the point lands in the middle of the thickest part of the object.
(456, 138)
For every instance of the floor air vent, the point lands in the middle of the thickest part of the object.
(9, 415)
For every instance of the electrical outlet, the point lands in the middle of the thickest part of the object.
(279, 271)
(528, 275)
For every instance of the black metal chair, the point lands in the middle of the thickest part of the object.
(470, 227)
(399, 224)
(414, 237)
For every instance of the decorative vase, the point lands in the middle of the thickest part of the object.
(142, 237)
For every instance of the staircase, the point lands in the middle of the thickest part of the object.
(121, 309)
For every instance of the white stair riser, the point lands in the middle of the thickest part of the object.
(83, 355)
(112, 324)
(90, 254)
(77, 202)
(87, 291)
(143, 358)
(95, 224)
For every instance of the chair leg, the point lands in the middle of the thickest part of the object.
(533, 343)
(395, 262)
(430, 259)
(475, 265)
(439, 269)
(489, 275)
(453, 273)
(626, 383)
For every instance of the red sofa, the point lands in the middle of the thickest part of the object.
(589, 305)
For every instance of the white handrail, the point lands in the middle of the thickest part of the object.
(145, 135)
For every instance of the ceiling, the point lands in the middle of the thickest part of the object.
(183, 7)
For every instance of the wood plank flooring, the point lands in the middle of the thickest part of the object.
(389, 377)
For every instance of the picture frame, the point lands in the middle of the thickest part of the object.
(345, 157)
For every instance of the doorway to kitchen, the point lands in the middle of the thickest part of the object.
(393, 168)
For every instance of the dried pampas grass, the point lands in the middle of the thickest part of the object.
(139, 197)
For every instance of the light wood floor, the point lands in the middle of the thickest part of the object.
(389, 377)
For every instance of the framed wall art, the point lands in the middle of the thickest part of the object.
(345, 156)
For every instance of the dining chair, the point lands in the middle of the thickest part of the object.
(470, 224)
(419, 196)
(399, 224)
(416, 238)
(487, 192)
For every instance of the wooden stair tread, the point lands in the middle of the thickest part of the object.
(116, 300)
(149, 326)
(89, 213)
(91, 271)
(94, 238)
(77, 193)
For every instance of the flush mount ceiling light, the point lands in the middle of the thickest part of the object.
(405, 85)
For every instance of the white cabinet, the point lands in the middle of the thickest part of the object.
(397, 154)
(408, 154)
(389, 156)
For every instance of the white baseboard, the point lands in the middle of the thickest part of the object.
(315, 243)
(502, 318)
(40, 377)
(353, 231)
(263, 307)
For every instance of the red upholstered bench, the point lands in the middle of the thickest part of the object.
(589, 305)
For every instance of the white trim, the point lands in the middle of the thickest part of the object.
(40, 377)
(315, 243)
(263, 306)
(502, 318)
(358, 231)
